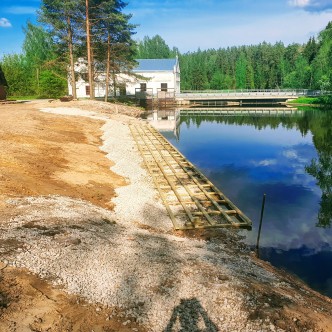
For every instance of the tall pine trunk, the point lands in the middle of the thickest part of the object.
(108, 67)
(89, 51)
(71, 59)
(114, 81)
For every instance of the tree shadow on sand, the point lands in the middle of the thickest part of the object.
(190, 316)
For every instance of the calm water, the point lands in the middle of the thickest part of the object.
(289, 159)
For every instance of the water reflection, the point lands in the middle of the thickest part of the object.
(289, 159)
(321, 167)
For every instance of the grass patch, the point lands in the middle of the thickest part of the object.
(22, 97)
(324, 101)
(306, 100)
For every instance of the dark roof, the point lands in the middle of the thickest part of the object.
(155, 65)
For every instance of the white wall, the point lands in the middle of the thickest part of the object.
(154, 81)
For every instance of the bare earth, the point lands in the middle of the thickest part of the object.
(86, 245)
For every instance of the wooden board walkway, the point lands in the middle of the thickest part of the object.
(191, 200)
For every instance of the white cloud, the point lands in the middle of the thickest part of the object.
(312, 5)
(4, 23)
(299, 3)
(265, 162)
(290, 154)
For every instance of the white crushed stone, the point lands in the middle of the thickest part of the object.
(142, 205)
(73, 111)
(147, 275)
(159, 280)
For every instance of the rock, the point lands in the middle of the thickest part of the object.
(75, 242)
(281, 324)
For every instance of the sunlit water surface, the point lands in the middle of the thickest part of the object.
(288, 159)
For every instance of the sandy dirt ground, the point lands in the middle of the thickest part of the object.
(45, 155)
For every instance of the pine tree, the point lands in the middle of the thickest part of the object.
(63, 18)
(113, 46)
(154, 48)
(241, 71)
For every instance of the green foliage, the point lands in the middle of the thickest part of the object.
(262, 66)
(24, 70)
(51, 85)
(37, 46)
(109, 30)
(42, 69)
(300, 76)
(321, 167)
(23, 98)
(154, 48)
(18, 74)
(306, 100)
(241, 72)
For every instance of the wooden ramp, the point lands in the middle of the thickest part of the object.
(191, 200)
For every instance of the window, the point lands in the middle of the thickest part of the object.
(163, 86)
(143, 86)
(122, 88)
(87, 90)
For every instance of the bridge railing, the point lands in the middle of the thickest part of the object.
(251, 92)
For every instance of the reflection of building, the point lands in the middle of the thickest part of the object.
(150, 75)
(167, 122)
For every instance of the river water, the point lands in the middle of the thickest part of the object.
(289, 158)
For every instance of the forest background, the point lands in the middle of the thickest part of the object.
(50, 48)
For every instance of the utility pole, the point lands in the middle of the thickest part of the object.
(260, 226)
(90, 58)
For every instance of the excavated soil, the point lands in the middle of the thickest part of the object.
(86, 245)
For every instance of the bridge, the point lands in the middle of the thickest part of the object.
(220, 98)
(229, 97)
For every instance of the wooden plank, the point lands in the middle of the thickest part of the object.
(182, 185)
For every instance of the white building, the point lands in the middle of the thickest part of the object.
(150, 75)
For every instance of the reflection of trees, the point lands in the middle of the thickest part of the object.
(259, 122)
(321, 168)
(319, 122)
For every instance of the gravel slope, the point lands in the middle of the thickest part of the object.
(130, 259)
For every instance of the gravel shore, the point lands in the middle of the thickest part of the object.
(131, 260)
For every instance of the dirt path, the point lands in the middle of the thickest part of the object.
(62, 217)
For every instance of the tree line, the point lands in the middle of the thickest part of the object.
(262, 66)
(100, 32)
(96, 30)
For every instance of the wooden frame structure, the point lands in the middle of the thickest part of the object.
(191, 200)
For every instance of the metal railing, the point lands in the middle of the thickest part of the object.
(253, 92)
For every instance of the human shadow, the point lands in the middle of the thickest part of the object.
(190, 316)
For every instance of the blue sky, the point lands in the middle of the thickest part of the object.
(193, 24)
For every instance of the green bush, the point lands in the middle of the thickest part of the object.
(51, 85)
